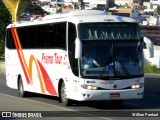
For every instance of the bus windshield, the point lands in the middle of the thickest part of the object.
(106, 57)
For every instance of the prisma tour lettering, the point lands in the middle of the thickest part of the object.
(51, 59)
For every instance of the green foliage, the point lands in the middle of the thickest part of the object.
(95, 8)
(151, 69)
(34, 8)
(2, 47)
(5, 19)
(158, 10)
(107, 10)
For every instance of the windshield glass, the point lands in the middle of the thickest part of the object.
(111, 58)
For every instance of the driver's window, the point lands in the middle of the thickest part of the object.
(71, 48)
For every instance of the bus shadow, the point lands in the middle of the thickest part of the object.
(93, 104)
(36, 95)
(127, 105)
(101, 105)
(104, 105)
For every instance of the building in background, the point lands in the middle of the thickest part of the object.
(129, 2)
(151, 6)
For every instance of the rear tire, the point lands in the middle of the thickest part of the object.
(63, 96)
(22, 93)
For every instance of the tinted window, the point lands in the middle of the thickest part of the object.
(32, 37)
(9, 39)
(22, 33)
(40, 36)
(71, 48)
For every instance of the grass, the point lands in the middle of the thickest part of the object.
(151, 69)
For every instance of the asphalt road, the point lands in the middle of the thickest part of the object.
(48, 107)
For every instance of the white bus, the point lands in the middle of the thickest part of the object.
(47, 57)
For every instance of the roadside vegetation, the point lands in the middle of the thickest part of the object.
(5, 19)
(151, 69)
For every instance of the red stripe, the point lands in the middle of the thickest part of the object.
(47, 81)
(18, 52)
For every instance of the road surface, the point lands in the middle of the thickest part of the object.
(48, 107)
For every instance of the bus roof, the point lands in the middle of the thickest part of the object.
(75, 14)
(78, 16)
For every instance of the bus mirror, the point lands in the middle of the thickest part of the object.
(78, 48)
(150, 46)
(140, 43)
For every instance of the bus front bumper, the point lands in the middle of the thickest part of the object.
(88, 95)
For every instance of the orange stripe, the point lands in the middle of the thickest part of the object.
(29, 70)
(31, 60)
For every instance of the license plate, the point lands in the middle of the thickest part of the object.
(114, 95)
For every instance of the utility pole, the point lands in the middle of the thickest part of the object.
(16, 7)
(81, 4)
(107, 4)
(56, 7)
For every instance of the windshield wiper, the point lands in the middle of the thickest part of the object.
(124, 68)
(105, 67)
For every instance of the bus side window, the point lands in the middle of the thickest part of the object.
(32, 37)
(61, 35)
(71, 48)
(51, 36)
(41, 36)
(9, 40)
(56, 35)
(22, 33)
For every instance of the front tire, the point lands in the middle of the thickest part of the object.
(63, 96)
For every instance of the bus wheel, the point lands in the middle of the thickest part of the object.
(117, 103)
(63, 96)
(22, 93)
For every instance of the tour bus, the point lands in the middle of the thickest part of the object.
(47, 56)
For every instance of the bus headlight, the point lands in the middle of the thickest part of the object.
(89, 87)
(136, 86)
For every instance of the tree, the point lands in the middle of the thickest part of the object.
(158, 10)
(35, 8)
(5, 19)
(145, 0)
